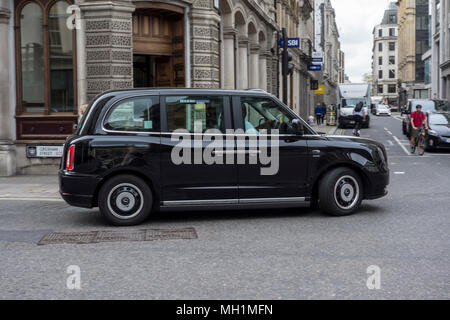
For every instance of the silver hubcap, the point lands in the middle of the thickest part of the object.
(125, 201)
(346, 192)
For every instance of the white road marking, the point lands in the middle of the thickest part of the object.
(389, 132)
(402, 146)
(390, 142)
(399, 173)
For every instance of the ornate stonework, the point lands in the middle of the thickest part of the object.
(109, 63)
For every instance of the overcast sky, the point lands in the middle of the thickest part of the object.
(355, 20)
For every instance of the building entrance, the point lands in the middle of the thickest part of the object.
(158, 45)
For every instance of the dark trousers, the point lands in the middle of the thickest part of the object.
(319, 118)
(358, 122)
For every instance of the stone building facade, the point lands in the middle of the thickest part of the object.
(413, 42)
(327, 42)
(385, 57)
(68, 51)
(439, 58)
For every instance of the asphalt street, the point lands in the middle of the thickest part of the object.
(272, 254)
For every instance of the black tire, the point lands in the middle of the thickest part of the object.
(346, 184)
(421, 146)
(125, 200)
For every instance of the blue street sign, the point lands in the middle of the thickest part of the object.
(292, 43)
(315, 67)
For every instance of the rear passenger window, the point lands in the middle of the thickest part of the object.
(195, 114)
(135, 115)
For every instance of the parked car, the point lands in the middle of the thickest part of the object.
(125, 157)
(382, 110)
(428, 106)
(438, 137)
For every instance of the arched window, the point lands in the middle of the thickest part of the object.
(46, 58)
(61, 59)
(45, 70)
(32, 58)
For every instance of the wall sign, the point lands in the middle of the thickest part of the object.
(44, 151)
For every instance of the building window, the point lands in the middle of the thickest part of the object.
(380, 89)
(422, 23)
(32, 58)
(391, 74)
(391, 32)
(427, 71)
(380, 61)
(421, 94)
(380, 47)
(380, 33)
(392, 88)
(392, 19)
(61, 59)
(391, 46)
(46, 74)
(438, 13)
(392, 60)
(46, 78)
(380, 74)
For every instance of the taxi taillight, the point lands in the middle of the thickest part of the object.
(70, 158)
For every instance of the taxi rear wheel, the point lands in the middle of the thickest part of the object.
(125, 200)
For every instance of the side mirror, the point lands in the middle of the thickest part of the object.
(298, 127)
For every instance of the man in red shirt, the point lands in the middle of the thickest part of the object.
(418, 120)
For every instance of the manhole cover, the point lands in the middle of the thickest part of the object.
(118, 236)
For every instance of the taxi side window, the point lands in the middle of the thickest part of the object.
(140, 114)
(195, 114)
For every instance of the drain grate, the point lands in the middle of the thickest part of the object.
(118, 236)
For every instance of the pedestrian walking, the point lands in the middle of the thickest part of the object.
(324, 113)
(360, 116)
(318, 113)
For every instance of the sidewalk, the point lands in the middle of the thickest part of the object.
(30, 187)
(328, 130)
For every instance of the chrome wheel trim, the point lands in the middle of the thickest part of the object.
(125, 201)
(346, 192)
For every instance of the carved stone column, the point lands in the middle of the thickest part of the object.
(7, 148)
(263, 56)
(205, 62)
(229, 35)
(109, 46)
(243, 63)
(254, 66)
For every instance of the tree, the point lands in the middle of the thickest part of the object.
(367, 77)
